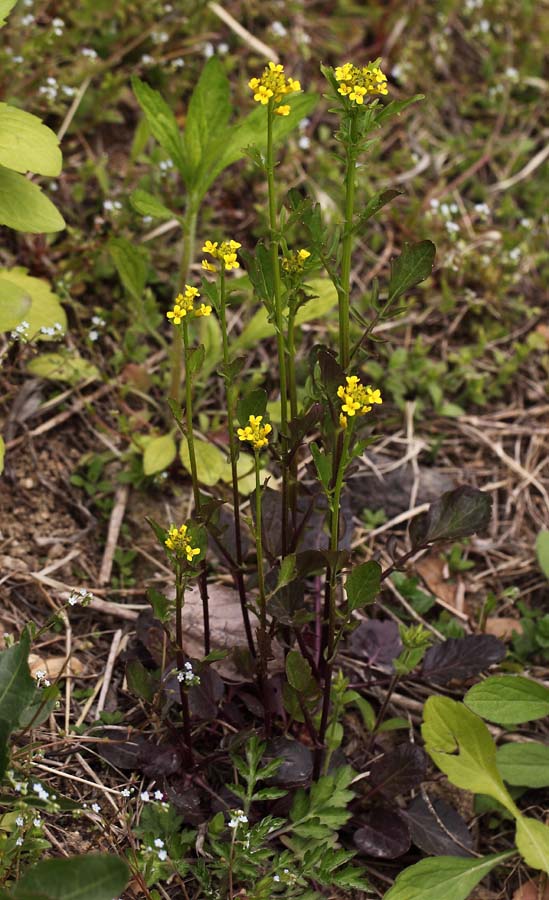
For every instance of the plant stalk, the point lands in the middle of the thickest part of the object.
(180, 657)
(347, 246)
(189, 237)
(262, 638)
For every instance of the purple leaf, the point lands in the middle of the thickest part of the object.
(383, 833)
(462, 658)
(297, 765)
(429, 835)
(456, 514)
(399, 771)
(376, 640)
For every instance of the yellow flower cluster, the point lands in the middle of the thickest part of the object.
(178, 542)
(357, 398)
(355, 83)
(273, 85)
(255, 433)
(225, 251)
(184, 306)
(295, 261)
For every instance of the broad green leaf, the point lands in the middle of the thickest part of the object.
(45, 310)
(252, 404)
(455, 514)
(542, 552)
(24, 207)
(245, 468)
(448, 877)
(6, 7)
(90, 877)
(65, 367)
(298, 671)
(414, 264)
(14, 303)
(207, 116)
(147, 205)
(2, 453)
(508, 699)
(532, 838)
(162, 122)
(259, 327)
(362, 584)
(460, 744)
(131, 264)
(526, 765)
(26, 144)
(210, 461)
(159, 453)
(17, 687)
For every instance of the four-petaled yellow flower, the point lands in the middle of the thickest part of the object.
(225, 252)
(295, 261)
(274, 85)
(357, 398)
(184, 306)
(255, 433)
(180, 544)
(356, 83)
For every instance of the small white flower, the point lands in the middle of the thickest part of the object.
(37, 822)
(452, 227)
(20, 821)
(93, 335)
(97, 320)
(222, 48)
(158, 795)
(178, 63)
(162, 855)
(158, 842)
(126, 792)
(147, 220)
(18, 787)
(160, 37)
(482, 209)
(19, 842)
(27, 20)
(96, 807)
(525, 223)
(484, 26)
(279, 29)
(18, 59)
(208, 50)
(68, 91)
(512, 73)
(147, 59)
(89, 52)
(145, 796)
(434, 203)
(276, 877)
(304, 142)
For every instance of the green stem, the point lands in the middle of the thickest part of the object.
(263, 638)
(233, 450)
(202, 579)
(292, 384)
(273, 224)
(347, 246)
(180, 657)
(189, 235)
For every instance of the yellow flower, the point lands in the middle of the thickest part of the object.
(179, 543)
(210, 248)
(184, 306)
(357, 398)
(177, 313)
(295, 261)
(203, 310)
(274, 85)
(224, 252)
(356, 83)
(255, 433)
(208, 266)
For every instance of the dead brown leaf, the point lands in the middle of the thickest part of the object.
(431, 569)
(502, 627)
(54, 666)
(533, 890)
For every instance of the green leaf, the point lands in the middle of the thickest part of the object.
(451, 877)
(375, 203)
(26, 144)
(298, 672)
(508, 699)
(532, 838)
(14, 303)
(160, 453)
(207, 117)
(460, 744)
(147, 205)
(78, 878)
(161, 605)
(252, 404)
(24, 207)
(6, 7)
(141, 681)
(210, 461)
(17, 687)
(526, 765)
(362, 584)
(323, 464)
(162, 123)
(132, 265)
(65, 367)
(414, 264)
(259, 326)
(542, 552)
(456, 514)
(195, 359)
(395, 107)
(45, 310)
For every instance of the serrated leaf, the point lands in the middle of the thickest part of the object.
(65, 367)
(461, 658)
(374, 204)
(508, 699)
(456, 514)
(298, 671)
(460, 744)
(524, 765)
(414, 265)
(542, 552)
(24, 207)
(161, 605)
(6, 7)
(26, 144)
(450, 877)
(162, 123)
(148, 205)
(78, 878)
(17, 687)
(45, 310)
(131, 264)
(14, 303)
(362, 584)
(159, 454)
(210, 461)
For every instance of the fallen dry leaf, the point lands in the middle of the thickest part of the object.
(54, 665)
(533, 890)
(502, 627)
(431, 570)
